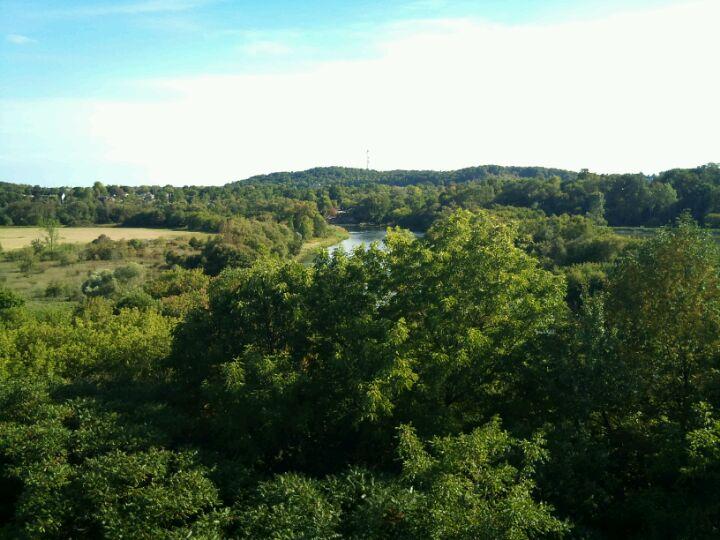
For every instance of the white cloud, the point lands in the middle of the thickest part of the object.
(631, 92)
(19, 39)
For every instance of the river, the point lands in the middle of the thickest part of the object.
(362, 236)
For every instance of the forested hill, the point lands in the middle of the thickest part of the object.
(328, 176)
(407, 198)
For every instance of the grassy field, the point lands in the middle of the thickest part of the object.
(33, 285)
(19, 237)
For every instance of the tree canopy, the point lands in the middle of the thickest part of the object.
(507, 375)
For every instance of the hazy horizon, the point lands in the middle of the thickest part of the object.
(245, 178)
(206, 92)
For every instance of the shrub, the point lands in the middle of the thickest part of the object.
(129, 272)
(27, 261)
(54, 289)
(154, 494)
(9, 299)
(38, 246)
(103, 249)
(137, 245)
(101, 283)
(135, 299)
(66, 254)
(65, 259)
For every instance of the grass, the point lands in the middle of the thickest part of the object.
(309, 249)
(19, 237)
(32, 285)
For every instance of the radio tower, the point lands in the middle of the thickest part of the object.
(367, 161)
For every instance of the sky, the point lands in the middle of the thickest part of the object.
(211, 91)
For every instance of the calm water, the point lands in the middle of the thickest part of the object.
(359, 237)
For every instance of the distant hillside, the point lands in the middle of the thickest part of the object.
(325, 176)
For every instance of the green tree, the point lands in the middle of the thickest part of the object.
(52, 233)
(479, 310)
(664, 304)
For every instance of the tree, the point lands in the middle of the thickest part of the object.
(442, 331)
(478, 310)
(635, 389)
(476, 485)
(52, 233)
(471, 486)
(664, 304)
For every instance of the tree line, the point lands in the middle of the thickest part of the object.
(412, 199)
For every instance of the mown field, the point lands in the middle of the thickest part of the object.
(19, 237)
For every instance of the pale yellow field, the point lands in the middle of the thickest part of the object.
(18, 237)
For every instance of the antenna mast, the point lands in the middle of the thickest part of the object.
(367, 162)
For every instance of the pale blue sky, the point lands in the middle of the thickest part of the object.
(66, 48)
(123, 90)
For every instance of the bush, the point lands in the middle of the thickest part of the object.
(66, 254)
(126, 274)
(475, 485)
(101, 283)
(27, 261)
(54, 289)
(584, 279)
(137, 245)
(103, 249)
(9, 299)
(176, 282)
(289, 506)
(38, 246)
(135, 299)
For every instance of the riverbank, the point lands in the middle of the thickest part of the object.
(309, 249)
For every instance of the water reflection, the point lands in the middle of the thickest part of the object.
(362, 236)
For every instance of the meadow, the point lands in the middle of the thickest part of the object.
(19, 237)
(58, 282)
(58, 279)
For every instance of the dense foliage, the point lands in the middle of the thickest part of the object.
(508, 375)
(412, 199)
